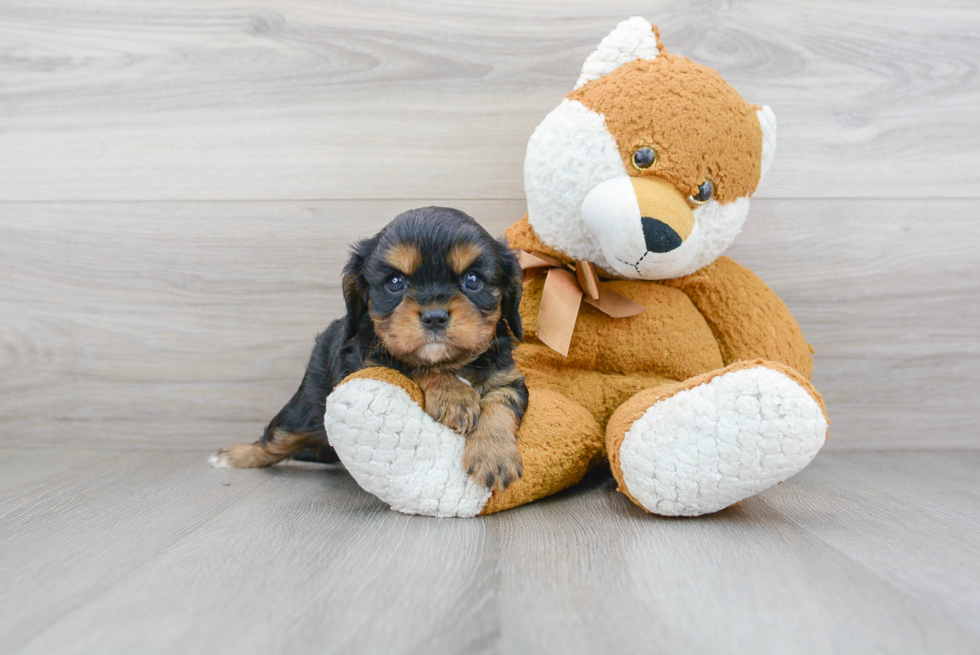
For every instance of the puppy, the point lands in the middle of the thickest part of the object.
(435, 297)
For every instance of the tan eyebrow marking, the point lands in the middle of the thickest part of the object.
(404, 256)
(462, 255)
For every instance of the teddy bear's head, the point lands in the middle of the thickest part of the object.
(646, 168)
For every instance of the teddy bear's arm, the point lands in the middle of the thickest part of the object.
(747, 317)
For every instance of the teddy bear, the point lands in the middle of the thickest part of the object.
(644, 346)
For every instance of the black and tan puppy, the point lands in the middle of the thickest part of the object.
(435, 297)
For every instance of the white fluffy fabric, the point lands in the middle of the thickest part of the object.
(397, 452)
(767, 121)
(719, 224)
(614, 225)
(708, 447)
(570, 152)
(631, 40)
(611, 213)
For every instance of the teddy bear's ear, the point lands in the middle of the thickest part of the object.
(767, 121)
(634, 38)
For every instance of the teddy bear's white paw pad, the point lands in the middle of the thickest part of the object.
(397, 452)
(713, 445)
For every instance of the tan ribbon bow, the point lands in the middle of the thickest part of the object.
(563, 293)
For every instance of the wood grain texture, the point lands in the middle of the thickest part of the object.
(189, 324)
(178, 185)
(174, 99)
(157, 553)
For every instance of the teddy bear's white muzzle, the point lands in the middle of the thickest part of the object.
(643, 226)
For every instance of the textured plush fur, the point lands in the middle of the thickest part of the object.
(632, 97)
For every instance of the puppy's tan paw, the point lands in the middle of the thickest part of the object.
(242, 456)
(494, 464)
(456, 407)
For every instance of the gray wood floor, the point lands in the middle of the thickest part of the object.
(149, 552)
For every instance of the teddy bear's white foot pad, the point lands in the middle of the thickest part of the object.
(397, 452)
(713, 445)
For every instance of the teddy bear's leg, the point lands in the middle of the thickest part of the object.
(376, 422)
(703, 444)
(559, 441)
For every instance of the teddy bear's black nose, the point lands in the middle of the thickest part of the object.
(659, 236)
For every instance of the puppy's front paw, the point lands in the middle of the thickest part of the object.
(494, 464)
(457, 407)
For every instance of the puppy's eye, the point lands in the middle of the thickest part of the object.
(472, 282)
(644, 157)
(395, 283)
(705, 191)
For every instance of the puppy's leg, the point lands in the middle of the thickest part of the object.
(450, 401)
(490, 454)
(274, 448)
(296, 431)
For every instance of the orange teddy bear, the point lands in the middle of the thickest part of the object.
(643, 344)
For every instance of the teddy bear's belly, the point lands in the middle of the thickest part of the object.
(610, 359)
(669, 340)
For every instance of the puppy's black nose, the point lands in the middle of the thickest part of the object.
(659, 236)
(435, 319)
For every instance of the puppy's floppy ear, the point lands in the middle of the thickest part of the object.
(355, 285)
(512, 286)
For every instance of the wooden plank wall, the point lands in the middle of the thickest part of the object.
(178, 182)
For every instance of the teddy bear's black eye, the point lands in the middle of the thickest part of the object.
(705, 191)
(395, 283)
(644, 157)
(472, 282)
